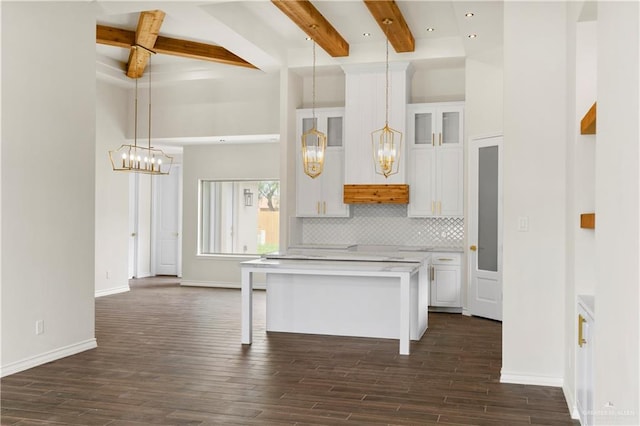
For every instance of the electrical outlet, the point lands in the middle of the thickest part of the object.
(39, 327)
(523, 224)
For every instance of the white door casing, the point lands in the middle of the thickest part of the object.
(485, 227)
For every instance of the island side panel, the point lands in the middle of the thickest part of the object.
(340, 305)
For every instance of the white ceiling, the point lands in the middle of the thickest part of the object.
(260, 33)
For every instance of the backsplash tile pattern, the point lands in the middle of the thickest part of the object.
(384, 224)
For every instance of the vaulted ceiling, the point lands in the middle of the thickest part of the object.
(232, 38)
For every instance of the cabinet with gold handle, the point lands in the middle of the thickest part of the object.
(581, 322)
(436, 169)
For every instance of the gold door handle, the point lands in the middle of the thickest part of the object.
(581, 339)
(440, 137)
(433, 139)
(473, 248)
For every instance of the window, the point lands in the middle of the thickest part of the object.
(239, 217)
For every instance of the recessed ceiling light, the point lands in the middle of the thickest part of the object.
(431, 29)
(366, 34)
(472, 35)
(469, 14)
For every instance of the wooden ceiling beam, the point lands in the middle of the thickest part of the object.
(196, 50)
(398, 31)
(149, 24)
(171, 46)
(310, 20)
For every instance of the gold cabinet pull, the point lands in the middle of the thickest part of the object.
(445, 259)
(318, 207)
(324, 207)
(473, 248)
(440, 137)
(433, 210)
(433, 270)
(581, 339)
(433, 139)
(439, 207)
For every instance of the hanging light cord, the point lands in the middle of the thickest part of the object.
(135, 116)
(386, 117)
(313, 88)
(387, 22)
(149, 71)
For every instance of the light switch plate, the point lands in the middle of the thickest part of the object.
(523, 224)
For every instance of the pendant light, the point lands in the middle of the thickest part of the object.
(140, 159)
(386, 142)
(314, 142)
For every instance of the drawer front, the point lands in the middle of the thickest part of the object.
(446, 258)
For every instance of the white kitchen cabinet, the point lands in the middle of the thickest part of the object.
(584, 359)
(435, 159)
(445, 280)
(322, 196)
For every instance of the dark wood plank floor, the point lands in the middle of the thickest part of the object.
(172, 356)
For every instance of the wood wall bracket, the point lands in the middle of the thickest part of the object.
(588, 123)
(588, 220)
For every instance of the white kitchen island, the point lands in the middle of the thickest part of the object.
(341, 294)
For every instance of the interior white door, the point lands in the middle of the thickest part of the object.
(485, 227)
(167, 219)
(133, 225)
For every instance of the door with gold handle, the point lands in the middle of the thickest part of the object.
(473, 248)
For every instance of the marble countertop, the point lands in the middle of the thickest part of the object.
(332, 265)
(375, 248)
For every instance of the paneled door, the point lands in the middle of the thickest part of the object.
(133, 225)
(485, 227)
(167, 214)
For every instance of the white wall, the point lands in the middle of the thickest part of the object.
(243, 106)
(437, 84)
(239, 161)
(112, 191)
(534, 177)
(48, 181)
(617, 196)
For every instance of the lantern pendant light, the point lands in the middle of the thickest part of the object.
(386, 142)
(314, 142)
(137, 158)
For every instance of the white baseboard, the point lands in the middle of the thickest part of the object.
(571, 403)
(114, 290)
(219, 284)
(46, 357)
(530, 379)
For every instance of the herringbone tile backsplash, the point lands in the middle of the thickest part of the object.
(384, 224)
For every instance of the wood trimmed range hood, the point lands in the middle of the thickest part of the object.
(364, 113)
(376, 194)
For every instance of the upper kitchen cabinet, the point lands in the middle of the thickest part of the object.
(365, 109)
(435, 159)
(322, 196)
